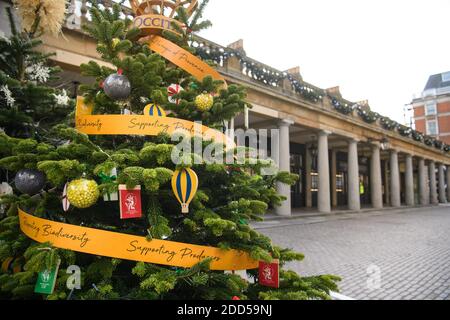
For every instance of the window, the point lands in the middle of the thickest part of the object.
(339, 183)
(432, 128)
(430, 108)
(314, 181)
(445, 77)
(429, 92)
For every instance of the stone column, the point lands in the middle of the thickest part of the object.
(376, 190)
(427, 185)
(231, 130)
(422, 183)
(433, 188)
(334, 201)
(448, 183)
(246, 118)
(395, 179)
(284, 165)
(323, 198)
(409, 181)
(387, 188)
(308, 165)
(353, 176)
(442, 197)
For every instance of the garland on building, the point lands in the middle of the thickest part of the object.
(429, 141)
(219, 55)
(404, 130)
(257, 71)
(367, 116)
(342, 107)
(272, 77)
(305, 90)
(417, 135)
(438, 144)
(388, 124)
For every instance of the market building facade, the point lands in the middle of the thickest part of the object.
(345, 155)
(432, 107)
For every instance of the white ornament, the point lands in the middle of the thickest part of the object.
(8, 95)
(5, 189)
(38, 72)
(4, 38)
(144, 99)
(62, 99)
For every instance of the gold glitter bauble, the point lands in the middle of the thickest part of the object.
(115, 42)
(82, 193)
(204, 102)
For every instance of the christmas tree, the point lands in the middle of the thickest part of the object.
(129, 184)
(28, 105)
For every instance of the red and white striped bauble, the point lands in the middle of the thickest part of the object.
(65, 201)
(172, 90)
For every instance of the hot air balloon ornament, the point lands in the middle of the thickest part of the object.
(154, 110)
(185, 185)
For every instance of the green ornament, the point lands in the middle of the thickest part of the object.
(243, 221)
(179, 271)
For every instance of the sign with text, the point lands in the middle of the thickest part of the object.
(46, 280)
(142, 125)
(154, 23)
(130, 247)
(183, 59)
(130, 202)
(269, 274)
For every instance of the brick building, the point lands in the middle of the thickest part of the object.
(432, 107)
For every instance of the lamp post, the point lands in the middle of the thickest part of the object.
(314, 152)
(384, 144)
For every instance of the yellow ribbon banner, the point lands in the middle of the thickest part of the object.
(183, 59)
(146, 125)
(129, 247)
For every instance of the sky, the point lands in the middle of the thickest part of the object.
(382, 51)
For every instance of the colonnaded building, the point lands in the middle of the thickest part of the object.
(346, 155)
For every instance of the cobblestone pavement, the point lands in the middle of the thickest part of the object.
(396, 254)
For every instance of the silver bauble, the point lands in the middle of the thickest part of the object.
(117, 87)
(29, 181)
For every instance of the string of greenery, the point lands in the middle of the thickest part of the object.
(342, 107)
(259, 72)
(272, 77)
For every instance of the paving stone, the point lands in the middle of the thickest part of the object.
(410, 247)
